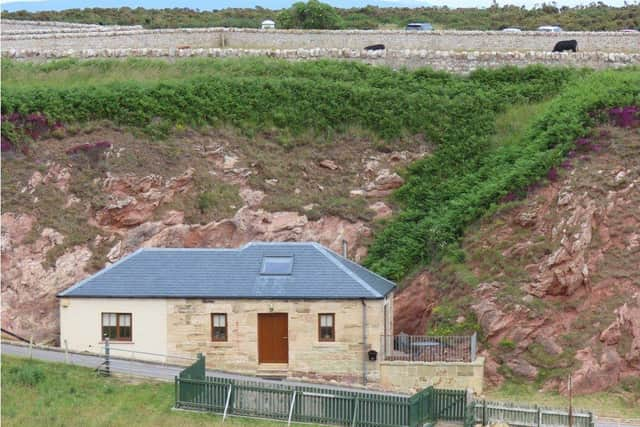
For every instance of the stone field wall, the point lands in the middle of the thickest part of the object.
(457, 51)
(458, 62)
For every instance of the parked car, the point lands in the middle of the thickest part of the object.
(550, 29)
(419, 26)
(511, 30)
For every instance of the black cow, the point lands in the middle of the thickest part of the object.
(563, 45)
(375, 47)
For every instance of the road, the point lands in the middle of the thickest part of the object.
(164, 372)
(153, 370)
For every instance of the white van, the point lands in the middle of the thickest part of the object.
(550, 29)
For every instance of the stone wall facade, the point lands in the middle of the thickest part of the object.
(181, 328)
(245, 38)
(457, 62)
(189, 332)
(399, 375)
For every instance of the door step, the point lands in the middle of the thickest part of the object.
(273, 370)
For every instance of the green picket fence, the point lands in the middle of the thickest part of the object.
(313, 404)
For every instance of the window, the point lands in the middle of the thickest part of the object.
(218, 327)
(277, 265)
(116, 326)
(326, 327)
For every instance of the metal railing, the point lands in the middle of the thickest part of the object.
(424, 348)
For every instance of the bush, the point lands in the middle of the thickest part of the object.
(507, 345)
(310, 15)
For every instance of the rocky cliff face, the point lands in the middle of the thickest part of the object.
(66, 215)
(556, 276)
(552, 280)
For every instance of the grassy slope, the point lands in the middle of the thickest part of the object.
(483, 260)
(37, 393)
(467, 176)
(604, 404)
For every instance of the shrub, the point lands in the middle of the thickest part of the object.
(625, 117)
(310, 15)
(94, 152)
(507, 345)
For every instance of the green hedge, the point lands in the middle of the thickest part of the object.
(442, 198)
(298, 97)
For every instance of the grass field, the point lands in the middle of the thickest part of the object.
(614, 404)
(51, 394)
(37, 393)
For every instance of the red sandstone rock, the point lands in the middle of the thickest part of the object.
(381, 210)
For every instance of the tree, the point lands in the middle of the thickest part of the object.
(310, 15)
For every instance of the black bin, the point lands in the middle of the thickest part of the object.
(373, 355)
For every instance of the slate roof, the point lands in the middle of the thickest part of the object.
(318, 273)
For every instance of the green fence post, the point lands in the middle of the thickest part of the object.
(175, 389)
(356, 407)
(484, 412)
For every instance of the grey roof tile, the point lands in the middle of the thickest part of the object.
(318, 273)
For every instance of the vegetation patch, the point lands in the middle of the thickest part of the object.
(451, 189)
(37, 393)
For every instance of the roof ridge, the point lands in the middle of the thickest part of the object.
(157, 249)
(351, 274)
(364, 268)
(99, 273)
(266, 243)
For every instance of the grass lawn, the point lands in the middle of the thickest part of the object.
(37, 393)
(604, 404)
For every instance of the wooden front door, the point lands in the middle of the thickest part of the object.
(273, 338)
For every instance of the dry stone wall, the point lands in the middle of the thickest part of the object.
(12, 26)
(458, 62)
(456, 51)
(132, 37)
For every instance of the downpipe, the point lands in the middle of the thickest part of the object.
(364, 342)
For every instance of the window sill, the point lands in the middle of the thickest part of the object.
(117, 342)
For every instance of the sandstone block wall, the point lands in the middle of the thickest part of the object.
(189, 332)
(404, 376)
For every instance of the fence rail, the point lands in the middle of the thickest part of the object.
(518, 415)
(423, 348)
(314, 404)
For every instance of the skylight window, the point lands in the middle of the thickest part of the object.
(277, 266)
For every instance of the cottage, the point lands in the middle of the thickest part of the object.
(273, 309)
